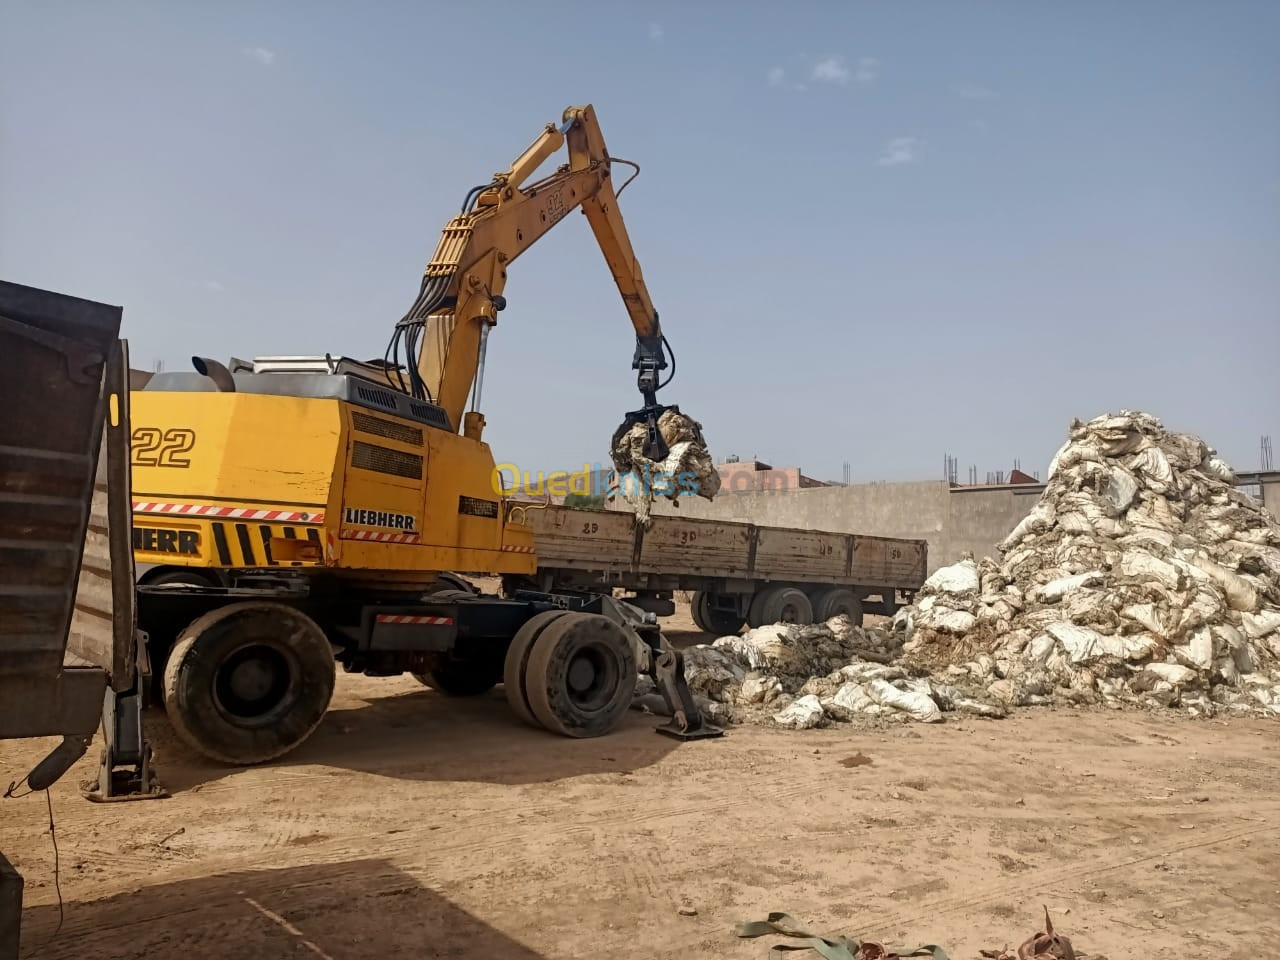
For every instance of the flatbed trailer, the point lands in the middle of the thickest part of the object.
(739, 572)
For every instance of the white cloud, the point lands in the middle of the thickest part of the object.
(868, 70)
(656, 32)
(831, 70)
(900, 151)
(214, 285)
(261, 54)
(974, 91)
(776, 75)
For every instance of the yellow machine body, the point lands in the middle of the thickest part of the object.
(259, 481)
(233, 478)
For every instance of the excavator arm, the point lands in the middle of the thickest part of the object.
(462, 288)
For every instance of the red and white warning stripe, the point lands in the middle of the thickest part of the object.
(380, 537)
(232, 513)
(511, 548)
(405, 618)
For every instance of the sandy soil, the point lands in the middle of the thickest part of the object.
(415, 826)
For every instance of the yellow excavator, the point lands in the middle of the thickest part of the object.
(291, 512)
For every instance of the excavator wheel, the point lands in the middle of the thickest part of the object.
(581, 675)
(834, 601)
(517, 662)
(452, 583)
(177, 576)
(248, 682)
(709, 619)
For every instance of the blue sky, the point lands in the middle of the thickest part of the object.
(874, 232)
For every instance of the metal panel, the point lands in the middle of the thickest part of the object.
(882, 561)
(10, 909)
(362, 393)
(801, 555)
(584, 539)
(54, 350)
(102, 626)
(707, 548)
(64, 704)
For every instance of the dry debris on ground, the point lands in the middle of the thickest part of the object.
(1042, 945)
(1142, 577)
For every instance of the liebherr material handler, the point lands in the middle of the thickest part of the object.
(295, 511)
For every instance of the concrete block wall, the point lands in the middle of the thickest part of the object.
(919, 511)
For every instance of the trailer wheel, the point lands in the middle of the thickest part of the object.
(698, 610)
(516, 664)
(780, 605)
(248, 682)
(581, 676)
(834, 601)
(711, 620)
(457, 678)
(460, 678)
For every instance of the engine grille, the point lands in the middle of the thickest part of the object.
(386, 428)
(368, 456)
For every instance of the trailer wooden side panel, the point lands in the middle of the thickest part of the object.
(707, 548)
(803, 555)
(611, 543)
(880, 561)
(584, 539)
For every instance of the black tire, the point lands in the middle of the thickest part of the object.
(698, 605)
(780, 605)
(447, 581)
(461, 678)
(517, 661)
(248, 682)
(581, 675)
(713, 620)
(834, 601)
(447, 594)
(458, 678)
(178, 576)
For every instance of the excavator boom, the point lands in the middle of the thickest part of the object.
(462, 286)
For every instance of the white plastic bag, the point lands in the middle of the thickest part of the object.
(918, 705)
(851, 700)
(959, 579)
(803, 714)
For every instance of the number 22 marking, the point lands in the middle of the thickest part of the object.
(154, 448)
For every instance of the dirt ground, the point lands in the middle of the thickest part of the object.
(415, 826)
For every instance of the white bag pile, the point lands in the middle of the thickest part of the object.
(803, 677)
(1142, 576)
